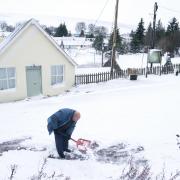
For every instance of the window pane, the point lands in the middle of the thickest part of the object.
(61, 70)
(3, 84)
(53, 80)
(11, 72)
(59, 79)
(57, 74)
(2, 73)
(11, 83)
(53, 70)
(58, 70)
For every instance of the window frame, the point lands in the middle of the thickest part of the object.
(7, 78)
(56, 75)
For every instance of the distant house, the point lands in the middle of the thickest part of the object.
(74, 42)
(32, 63)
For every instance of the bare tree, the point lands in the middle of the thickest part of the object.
(101, 30)
(91, 28)
(80, 26)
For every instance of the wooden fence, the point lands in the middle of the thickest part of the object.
(105, 76)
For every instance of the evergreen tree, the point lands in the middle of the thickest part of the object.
(134, 43)
(140, 32)
(82, 33)
(61, 31)
(90, 36)
(48, 30)
(119, 46)
(160, 33)
(137, 42)
(52, 30)
(10, 28)
(173, 26)
(148, 36)
(173, 36)
(98, 42)
(100, 32)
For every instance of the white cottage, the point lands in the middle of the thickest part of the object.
(32, 63)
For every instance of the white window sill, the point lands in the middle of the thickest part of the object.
(58, 85)
(8, 90)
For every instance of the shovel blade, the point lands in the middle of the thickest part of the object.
(83, 144)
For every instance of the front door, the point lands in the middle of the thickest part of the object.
(34, 80)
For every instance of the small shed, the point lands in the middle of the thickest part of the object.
(154, 56)
(32, 63)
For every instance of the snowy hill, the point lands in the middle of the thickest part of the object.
(14, 18)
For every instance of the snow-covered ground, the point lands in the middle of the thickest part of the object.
(89, 58)
(136, 113)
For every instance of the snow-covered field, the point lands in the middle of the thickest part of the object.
(142, 113)
(89, 58)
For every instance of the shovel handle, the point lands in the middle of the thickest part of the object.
(78, 142)
(73, 140)
(81, 141)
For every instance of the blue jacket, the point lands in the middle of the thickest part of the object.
(60, 119)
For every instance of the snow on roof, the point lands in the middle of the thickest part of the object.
(74, 41)
(154, 50)
(11, 36)
(9, 39)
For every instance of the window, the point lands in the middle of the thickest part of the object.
(57, 74)
(7, 78)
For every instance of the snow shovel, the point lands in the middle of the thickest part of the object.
(82, 144)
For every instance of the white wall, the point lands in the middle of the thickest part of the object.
(32, 47)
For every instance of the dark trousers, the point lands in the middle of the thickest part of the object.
(61, 143)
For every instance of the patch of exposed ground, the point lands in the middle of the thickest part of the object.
(115, 154)
(16, 145)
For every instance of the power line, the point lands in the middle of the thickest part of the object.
(101, 12)
(97, 19)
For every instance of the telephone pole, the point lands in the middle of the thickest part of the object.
(113, 56)
(154, 25)
(154, 28)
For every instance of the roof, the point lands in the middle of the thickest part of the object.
(73, 41)
(18, 31)
(155, 50)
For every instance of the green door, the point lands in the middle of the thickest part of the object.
(33, 79)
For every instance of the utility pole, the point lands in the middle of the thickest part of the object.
(154, 25)
(102, 54)
(113, 56)
(154, 28)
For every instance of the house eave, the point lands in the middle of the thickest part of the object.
(12, 37)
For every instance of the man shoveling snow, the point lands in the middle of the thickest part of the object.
(63, 123)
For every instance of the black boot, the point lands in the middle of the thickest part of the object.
(62, 156)
(66, 143)
(67, 150)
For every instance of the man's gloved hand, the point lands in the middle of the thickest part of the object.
(68, 136)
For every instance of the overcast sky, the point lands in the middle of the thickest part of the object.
(130, 11)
